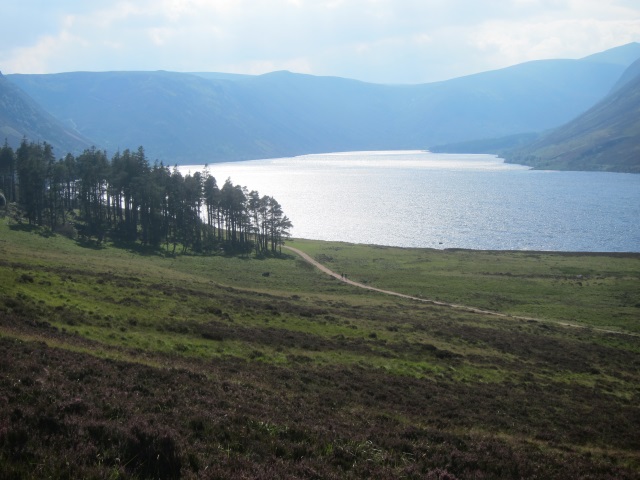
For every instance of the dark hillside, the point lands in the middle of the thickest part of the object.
(21, 116)
(607, 137)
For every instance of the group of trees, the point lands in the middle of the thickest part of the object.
(127, 199)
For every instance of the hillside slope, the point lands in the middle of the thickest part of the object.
(115, 364)
(200, 118)
(21, 116)
(606, 137)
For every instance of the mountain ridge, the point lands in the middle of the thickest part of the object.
(22, 117)
(188, 118)
(606, 137)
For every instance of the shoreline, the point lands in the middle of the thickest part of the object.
(575, 253)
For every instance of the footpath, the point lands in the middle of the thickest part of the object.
(344, 279)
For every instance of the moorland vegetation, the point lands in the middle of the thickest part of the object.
(116, 363)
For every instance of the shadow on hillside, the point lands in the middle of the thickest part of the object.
(90, 243)
(28, 228)
(139, 249)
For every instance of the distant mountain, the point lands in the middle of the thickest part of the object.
(21, 116)
(204, 118)
(221, 76)
(631, 73)
(623, 55)
(494, 146)
(606, 137)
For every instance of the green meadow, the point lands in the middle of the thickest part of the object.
(588, 289)
(120, 362)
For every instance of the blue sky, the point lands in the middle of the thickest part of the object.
(383, 41)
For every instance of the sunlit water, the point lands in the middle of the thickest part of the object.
(421, 199)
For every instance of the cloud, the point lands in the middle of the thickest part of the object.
(581, 28)
(391, 41)
(35, 58)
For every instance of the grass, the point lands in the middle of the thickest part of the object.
(126, 365)
(599, 290)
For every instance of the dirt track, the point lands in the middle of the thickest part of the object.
(388, 292)
(326, 270)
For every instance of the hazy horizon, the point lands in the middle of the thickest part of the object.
(377, 41)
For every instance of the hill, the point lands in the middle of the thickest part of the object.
(114, 364)
(203, 118)
(21, 116)
(606, 137)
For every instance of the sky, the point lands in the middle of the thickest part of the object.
(380, 41)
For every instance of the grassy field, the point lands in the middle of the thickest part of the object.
(118, 363)
(598, 290)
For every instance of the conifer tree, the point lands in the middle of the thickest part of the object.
(128, 200)
(8, 172)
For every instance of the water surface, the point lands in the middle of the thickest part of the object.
(422, 199)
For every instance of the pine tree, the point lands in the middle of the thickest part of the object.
(93, 172)
(8, 172)
(31, 168)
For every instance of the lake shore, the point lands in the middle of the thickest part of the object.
(420, 199)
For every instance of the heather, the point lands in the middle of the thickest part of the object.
(134, 363)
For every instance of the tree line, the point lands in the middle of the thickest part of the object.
(125, 198)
